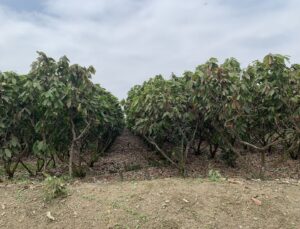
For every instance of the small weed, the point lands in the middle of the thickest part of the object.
(200, 179)
(54, 187)
(115, 205)
(141, 217)
(23, 180)
(20, 196)
(136, 214)
(214, 175)
(66, 178)
(89, 197)
(118, 226)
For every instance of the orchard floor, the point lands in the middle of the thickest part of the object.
(132, 187)
(161, 203)
(129, 159)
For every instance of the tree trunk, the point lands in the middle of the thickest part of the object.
(54, 160)
(269, 150)
(263, 164)
(39, 165)
(10, 171)
(45, 154)
(75, 143)
(27, 169)
(198, 148)
(71, 159)
(213, 150)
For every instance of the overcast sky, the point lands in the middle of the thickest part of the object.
(128, 41)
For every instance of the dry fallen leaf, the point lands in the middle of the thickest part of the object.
(234, 181)
(256, 201)
(185, 200)
(50, 216)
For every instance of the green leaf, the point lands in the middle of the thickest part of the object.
(8, 153)
(14, 81)
(69, 103)
(79, 107)
(2, 125)
(14, 141)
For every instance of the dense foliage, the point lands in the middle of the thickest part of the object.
(55, 113)
(222, 106)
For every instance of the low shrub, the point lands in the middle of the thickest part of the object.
(54, 187)
(214, 175)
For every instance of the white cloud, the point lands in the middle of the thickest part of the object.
(130, 40)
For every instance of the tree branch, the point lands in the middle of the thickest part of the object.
(161, 151)
(261, 148)
(83, 132)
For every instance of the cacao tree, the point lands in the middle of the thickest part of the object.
(55, 112)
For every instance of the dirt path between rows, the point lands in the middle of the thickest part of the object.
(130, 158)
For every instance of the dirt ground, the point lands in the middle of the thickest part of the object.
(132, 187)
(130, 159)
(161, 203)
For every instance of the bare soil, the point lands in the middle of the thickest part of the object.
(161, 203)
(133, 187)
